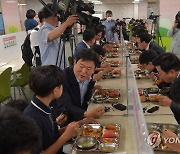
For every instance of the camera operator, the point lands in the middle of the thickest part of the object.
(49, 41)
(174, 32)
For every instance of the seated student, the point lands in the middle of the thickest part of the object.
(103, 68)
(87, 42)
(46, 82)
(168, 67)
(99, 35)
(19, 134)
(121, 25)
(78, 86)
(145, 60)
(17, 104)
(174, 93)
(113, 35)
(145, 42)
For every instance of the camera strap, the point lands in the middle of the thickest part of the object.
(57, 58)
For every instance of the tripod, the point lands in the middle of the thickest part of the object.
(62, 50)
(155, 31)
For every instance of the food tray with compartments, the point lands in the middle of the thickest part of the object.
(98, 138)
(149, 94)
(155, 130)
(112, 55)
(134, 59)
(113, 63)
(106, 96)
(116, 73)
(141, 74)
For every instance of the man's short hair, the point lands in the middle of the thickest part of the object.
(17, 104)
(167, 61)
(145, 37)
(108, 12)
(175, 91)
(98, 49)
(44, 79)
(48, 13)
(18, 132)
(88, 35)
(139, 31)
(88, 55)
(30, 14)
(101, 26)
(41, 16)
(147, 56)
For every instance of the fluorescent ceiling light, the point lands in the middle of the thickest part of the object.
(21, 4)
(95, 1)
(135, 1)
(11, 2)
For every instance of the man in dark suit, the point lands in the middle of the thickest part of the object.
(168, 67)
(78, 86)
(87, 42)
(145, 42)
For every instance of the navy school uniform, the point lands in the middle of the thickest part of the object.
(43, 117)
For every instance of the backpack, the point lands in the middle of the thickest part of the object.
(27, 54)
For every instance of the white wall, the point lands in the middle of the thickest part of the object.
(35, 4)
(12, 53)
(143, 9)
(119, 10)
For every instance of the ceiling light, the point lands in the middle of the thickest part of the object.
(11, 2)
(21, 4)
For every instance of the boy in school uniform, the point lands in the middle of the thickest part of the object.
(46, 83)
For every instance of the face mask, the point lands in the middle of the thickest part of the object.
(97, 42)
(109, 18)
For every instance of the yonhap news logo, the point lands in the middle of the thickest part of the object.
(155, 138)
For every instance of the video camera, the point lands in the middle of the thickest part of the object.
(154, 17)
(84, 11)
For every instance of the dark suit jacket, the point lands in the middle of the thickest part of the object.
(156, 47)
(71, 98)
(80, 46)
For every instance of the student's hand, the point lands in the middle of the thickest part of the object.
(105, 65)
(72, 130)
(87, 121)
(140, 66)
(95, 113)
(164, 100)
(97, 87)
(61, 119)
(71, 20)
(108, 69)
(108, 47)
(168, 134)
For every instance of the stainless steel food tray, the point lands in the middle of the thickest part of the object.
(107, 98)
(101, 146)
(111, 75)
(149, 93)
(141, 74)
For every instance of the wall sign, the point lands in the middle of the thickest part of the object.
(9, 41)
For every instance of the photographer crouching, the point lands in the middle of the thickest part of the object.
(49, 41)
(174, 32)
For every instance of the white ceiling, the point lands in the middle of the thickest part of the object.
(122, 1)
